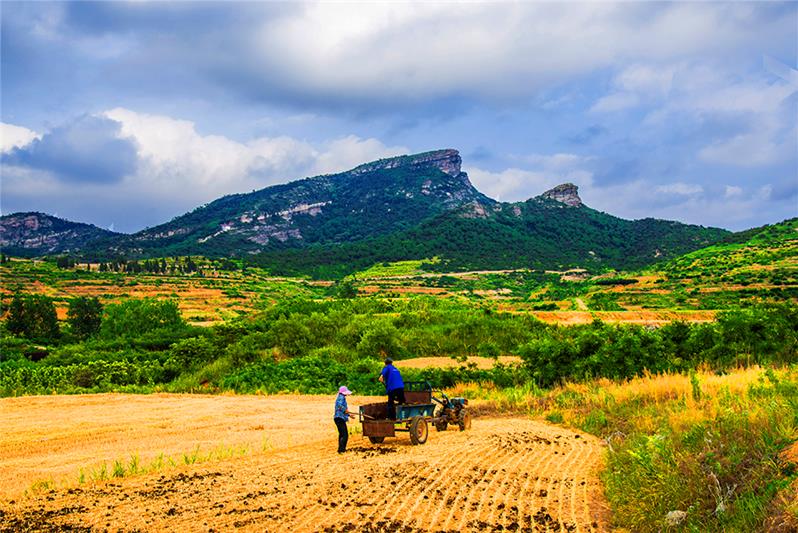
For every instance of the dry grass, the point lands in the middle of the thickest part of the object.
(698, 442)
(482, 363)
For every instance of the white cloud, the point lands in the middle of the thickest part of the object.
(175, 157)
(638, 199)
(683, 189)
(558, 161)
(764, 192)
(635, 85)
(12, 136)
(732, 191)
(764, 130)
(544, 172)
(646, 78)
(765, 143)
(615, 102)
(348, 152)
(415, 51)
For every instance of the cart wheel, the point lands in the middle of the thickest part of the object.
(441, 425)
(464, 420)
(376, 440)
(419, 430)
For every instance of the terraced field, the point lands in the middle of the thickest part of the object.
(511, 474)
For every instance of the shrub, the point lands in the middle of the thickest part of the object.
(33, 316)
(84, 316)
(191, 352)
(381, 339)
(134, 318)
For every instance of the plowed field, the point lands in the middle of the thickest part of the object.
(505, 474)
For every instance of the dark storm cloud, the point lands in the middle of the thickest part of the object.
(85, 150)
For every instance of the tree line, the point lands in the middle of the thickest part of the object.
(347, 336)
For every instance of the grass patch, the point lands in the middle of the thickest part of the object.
(696, 451)
(133, 466)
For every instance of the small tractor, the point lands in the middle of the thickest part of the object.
(414, 416)
(452, 411)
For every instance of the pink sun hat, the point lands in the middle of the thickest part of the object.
(343, 390)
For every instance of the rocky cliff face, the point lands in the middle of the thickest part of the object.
(40, 234)
(567, 194)
(447, 161)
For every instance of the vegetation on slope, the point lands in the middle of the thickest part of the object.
(699, 451)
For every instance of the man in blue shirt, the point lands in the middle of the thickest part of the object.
(342, 414)
(394, 386)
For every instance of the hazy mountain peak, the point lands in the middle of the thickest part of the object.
(566, 193)
(33, 233)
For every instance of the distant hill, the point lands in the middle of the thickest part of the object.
(408, 207)
(538, 233)
(768, 254)
(35, 234)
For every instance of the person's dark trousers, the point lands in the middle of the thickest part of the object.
(343, 434)
(395, 396)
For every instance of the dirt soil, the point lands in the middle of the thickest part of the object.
(505, 474)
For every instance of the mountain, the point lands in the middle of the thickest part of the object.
(408, 207)
(552, 231)
(373, 199)
(34, 234)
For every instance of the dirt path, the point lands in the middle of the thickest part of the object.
(510, 474)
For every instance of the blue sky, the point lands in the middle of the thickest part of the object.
(126, 114)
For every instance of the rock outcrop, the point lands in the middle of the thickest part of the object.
(447, 161)
(567, 194)
(40, 234)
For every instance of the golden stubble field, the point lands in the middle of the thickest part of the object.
(506, 473)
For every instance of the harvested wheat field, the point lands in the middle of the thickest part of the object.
(512, 474)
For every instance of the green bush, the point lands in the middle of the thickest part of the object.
(84, 316)
(33, 316)
(190, 353)
(134, 318)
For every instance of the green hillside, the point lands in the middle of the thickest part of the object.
(538, 234)
(761, 255)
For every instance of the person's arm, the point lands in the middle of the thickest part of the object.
(340, 408)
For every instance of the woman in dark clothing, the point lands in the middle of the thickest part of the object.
(342, 414)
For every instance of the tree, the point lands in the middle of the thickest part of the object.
(84, 316)
(380, 339)
(292, 336)
(346, 289)
(133, 318)
(16, 316)
(33, 316)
